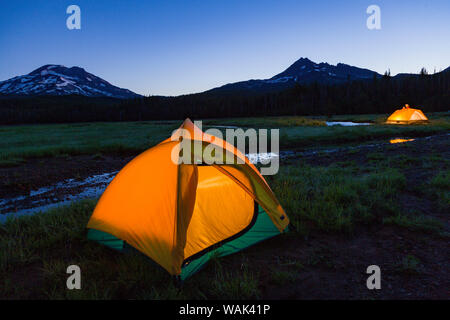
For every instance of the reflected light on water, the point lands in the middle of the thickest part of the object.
(400, 140)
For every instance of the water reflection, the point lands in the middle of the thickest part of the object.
(400, 140)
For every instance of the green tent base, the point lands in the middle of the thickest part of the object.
(262, 228)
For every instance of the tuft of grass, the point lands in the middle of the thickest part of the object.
(334, 198)
(408, 265)
(375, 156)
(441, 180)
(404, 161)
(27, 239)
(415, 223)
(282, 277)
(234, 285)
(440, 188)
(98, 156)
(11, 162)
(285, 271)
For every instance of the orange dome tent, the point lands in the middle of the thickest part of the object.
(180, 215)
(406, 115)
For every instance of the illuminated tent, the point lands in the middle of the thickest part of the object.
(180, 215)
(407, 115)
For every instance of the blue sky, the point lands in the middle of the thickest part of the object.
(175, 47)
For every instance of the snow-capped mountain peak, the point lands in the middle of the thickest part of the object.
(302, 71)
(305, 71)
(58, 80)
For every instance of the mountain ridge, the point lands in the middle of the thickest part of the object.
(58, 80)
(302, 71)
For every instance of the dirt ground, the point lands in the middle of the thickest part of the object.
(339, 263)
(36, 173)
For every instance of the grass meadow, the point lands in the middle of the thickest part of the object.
(361, 200)
(18, 143)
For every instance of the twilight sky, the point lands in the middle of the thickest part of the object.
(172, 47)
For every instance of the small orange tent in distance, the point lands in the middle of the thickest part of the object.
(407, 115)
(181, 215)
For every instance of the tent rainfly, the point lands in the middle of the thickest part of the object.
(406, 115)
(181, 215)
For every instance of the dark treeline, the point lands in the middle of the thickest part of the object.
(379, 95)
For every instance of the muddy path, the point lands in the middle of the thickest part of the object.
(41, 184)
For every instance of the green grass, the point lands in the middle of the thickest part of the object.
(440, 188)
(335, 199)
(317, 136)
(282, 277)
(231, 285)
(11, 162)
(266, 122)
(42, 246)
(400, 161)
(36, 250)
(415, 222)
(441, 180)
(409, 264)
(404, 161)
(38, 141)
(285, 270)
(375, 156)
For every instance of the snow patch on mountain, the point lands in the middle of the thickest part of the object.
(60, 80)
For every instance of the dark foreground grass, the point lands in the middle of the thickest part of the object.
(36, 250)
(335, 198)
(415, 222)
(440, 188)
